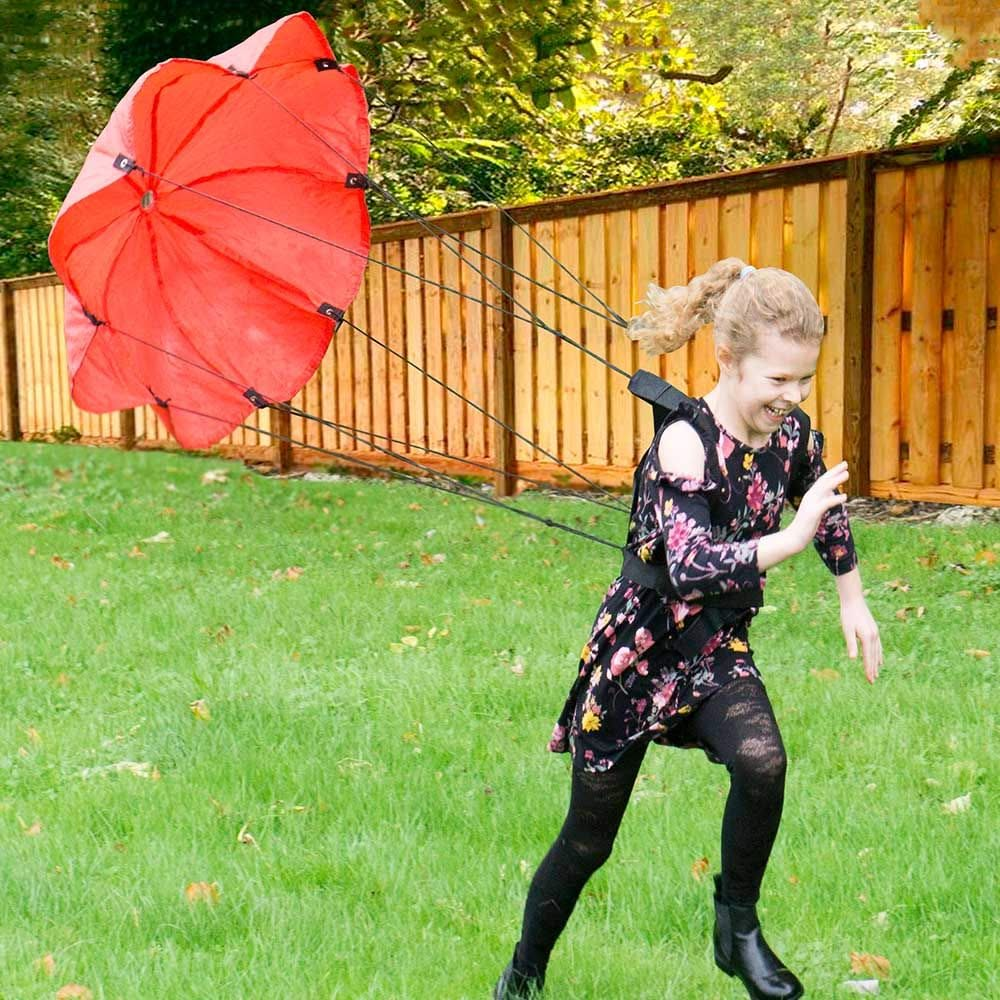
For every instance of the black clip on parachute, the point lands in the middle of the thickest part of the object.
(719, 610)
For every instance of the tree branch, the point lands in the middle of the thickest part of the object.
(840, 105)
(717, 77)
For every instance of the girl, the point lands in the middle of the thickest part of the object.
(709, 496)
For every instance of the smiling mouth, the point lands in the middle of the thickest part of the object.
(776, 413)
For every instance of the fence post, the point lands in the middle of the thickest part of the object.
(11, 389)
(281, 425)
(500, 246)
(859, 277)
(128, 429)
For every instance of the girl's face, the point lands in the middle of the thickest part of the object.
(774, 379)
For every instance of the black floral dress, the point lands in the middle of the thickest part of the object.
(633, 685)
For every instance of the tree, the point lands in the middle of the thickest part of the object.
(49, 113)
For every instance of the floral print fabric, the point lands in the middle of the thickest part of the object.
(632, 683)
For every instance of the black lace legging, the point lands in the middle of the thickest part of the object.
(738, 726)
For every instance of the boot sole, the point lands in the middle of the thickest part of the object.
(729, 972)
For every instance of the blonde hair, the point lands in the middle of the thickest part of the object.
(739, 301)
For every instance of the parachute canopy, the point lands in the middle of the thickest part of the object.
(180, 290)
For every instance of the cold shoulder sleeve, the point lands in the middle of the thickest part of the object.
(698, 565)
(833, 539)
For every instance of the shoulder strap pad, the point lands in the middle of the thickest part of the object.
(800, 458)
(662, 396)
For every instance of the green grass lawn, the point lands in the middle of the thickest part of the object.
(364, 790)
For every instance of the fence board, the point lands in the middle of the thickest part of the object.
(475, 343)
(890, 203)
(675, 367)
(547, 387)
(437, 437)
(648, 222)
(524, 350)
(923, 421)
(768, 245)
(594, 271)
(620, 297)
(967, 260)
(992, 429)
(571, 400)
(361, 349)
(416, 422)
(379, 354)
(833, 277)
(705, 252)
(803, 261)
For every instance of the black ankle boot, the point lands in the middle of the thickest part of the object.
(516, 985)
(740, 950)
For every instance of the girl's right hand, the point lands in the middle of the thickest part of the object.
(819, 498)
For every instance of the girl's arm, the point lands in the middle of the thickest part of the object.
(857, 623)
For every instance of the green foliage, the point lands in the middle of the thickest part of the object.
(49, 113)
(138, 34)
(969, 100)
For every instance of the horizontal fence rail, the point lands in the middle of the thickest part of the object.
(900, 249)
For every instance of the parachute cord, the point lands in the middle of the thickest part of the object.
(485, 412)
(523, 229)
(443, 234)
(387, 266)
(243, 389)
(461, 491)
(361, 432)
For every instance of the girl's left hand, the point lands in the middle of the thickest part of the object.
(857, 622)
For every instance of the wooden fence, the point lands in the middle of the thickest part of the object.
(901, 250)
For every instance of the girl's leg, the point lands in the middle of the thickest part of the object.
(597, 804)
(738, 727)
(737, 724)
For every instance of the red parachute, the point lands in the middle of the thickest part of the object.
(181, 291)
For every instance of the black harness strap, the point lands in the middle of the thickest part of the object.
(719, 610)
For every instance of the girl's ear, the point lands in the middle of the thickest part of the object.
(727, 363)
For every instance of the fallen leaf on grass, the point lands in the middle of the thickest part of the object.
(897, 584)
(480, 602)
(46, 964)
(159, 538)
(873, 965)
(292, 573)
(826, 674)
(74, 991)
(30, 831)
(61, 563)
(27, 527)
(410, 640)
(432, 560)
(200, 710)
(202, 892)
(960, 805)
(979, 654)
(33, 735)
(215, 476)
(245, 837)
(136, 553)
(987, 556)
(699, 869)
